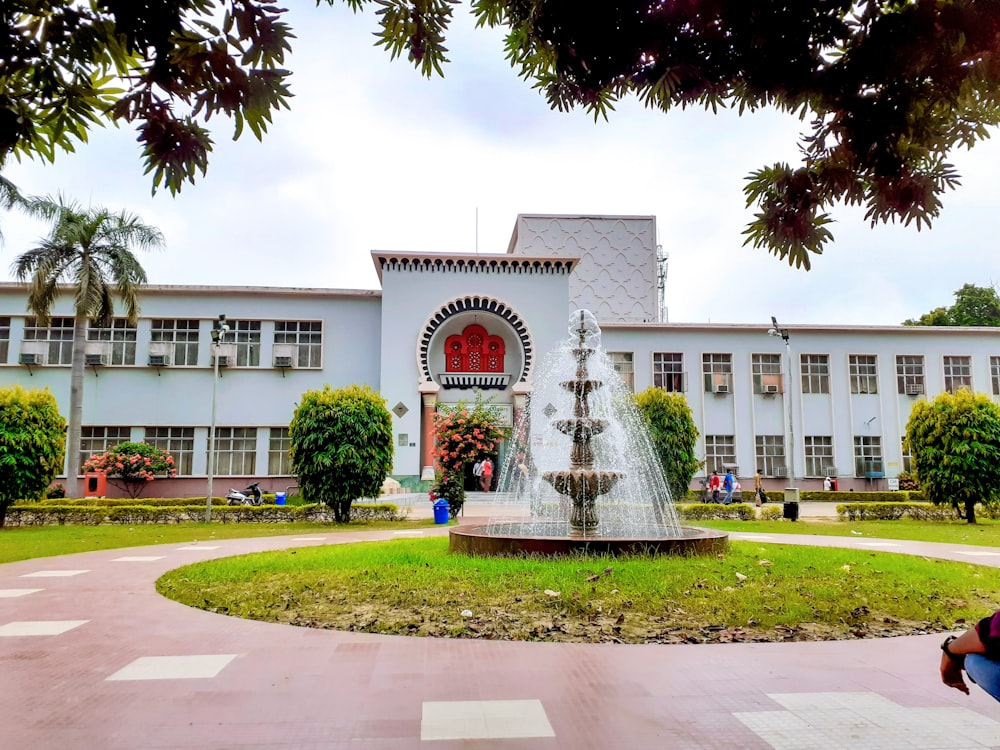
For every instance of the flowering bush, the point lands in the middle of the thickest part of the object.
(463, 434)
(131, 466)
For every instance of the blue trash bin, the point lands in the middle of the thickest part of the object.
(441, 509)
(279, 498)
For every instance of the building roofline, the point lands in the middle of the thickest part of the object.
(200, 289)
(473, 262)
(804, 328)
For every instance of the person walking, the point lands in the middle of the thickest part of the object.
(486, 478)
(714, 484)
(728, 484)
(758, 489)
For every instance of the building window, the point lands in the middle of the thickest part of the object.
(864, 373)
(668, 372)
(279, 460)
(720, 453)
(770, 450)
(957, 373)
(58, 337)
(100, 439)
(907, 456)
(717, 370)
(4, 339)
(815, 373)
(182, 335)
(994, 373)
(910, 374)
(122, 337)
(766, 371)
(235, 451)
(305, 336)
(868, 456)
(819, 456)
(624, 366)
(179, 441)
(245, 334)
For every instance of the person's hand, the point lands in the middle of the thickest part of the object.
(951, 674)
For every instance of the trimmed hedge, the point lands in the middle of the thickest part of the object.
(47, 514)
(717, 512)
(823, 496)
(895, 511)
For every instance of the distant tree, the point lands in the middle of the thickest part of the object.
(674, 436)
(974, 306)
(955, 444)
(91, 250)
(32, 445)
(889, 87)
(341, 446)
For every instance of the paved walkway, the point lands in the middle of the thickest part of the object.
(92, 657)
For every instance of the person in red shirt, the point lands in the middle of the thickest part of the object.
(714, 485)
(486, 478)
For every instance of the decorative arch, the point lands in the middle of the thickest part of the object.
(475, 303)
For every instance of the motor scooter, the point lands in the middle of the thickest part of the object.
(250, 496)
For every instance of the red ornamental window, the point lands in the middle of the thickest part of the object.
(474, 350)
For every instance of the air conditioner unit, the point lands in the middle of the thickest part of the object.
(159, 360)
(30, 358)
(95, 360)
(282, 362)
(721, 388)
(770, 389)
(914, 389)
(224, 360)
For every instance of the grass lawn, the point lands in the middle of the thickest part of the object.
(985, 532)
(755, 592)
(22, 543)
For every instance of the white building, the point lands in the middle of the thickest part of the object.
(444, 326)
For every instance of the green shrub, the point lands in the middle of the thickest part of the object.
(770, 513)
(716, 512)
(32, 445)
(673, 434)
(341, 446)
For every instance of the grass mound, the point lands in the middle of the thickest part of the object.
(752, 593)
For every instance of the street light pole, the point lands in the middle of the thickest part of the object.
(219, 330)
(782, 333)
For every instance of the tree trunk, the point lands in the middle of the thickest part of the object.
(75, 406)
(3, 514)
(970, 510)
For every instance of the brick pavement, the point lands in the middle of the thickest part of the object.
(131, 669)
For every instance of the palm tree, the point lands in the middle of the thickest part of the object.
(91, 249)
(9, 197)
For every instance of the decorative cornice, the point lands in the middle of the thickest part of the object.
(472, 264)
(474, 303)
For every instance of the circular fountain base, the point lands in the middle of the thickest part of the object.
(528, 539)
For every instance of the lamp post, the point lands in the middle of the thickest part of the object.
(782, 333)
(219, 330)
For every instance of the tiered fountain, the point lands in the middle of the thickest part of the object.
(636, 516)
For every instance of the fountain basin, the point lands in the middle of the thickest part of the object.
(522, 539)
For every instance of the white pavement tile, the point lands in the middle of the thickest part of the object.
(752, 537)
(54, 573)
(309, 539)
(472, 720)
(14, 593)
(408, 533)
(877, 544)
(863, 720)
(197, 667)
(39, 627)
(197, 548)
(138, 558)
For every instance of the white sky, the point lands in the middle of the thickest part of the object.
(373, 156)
